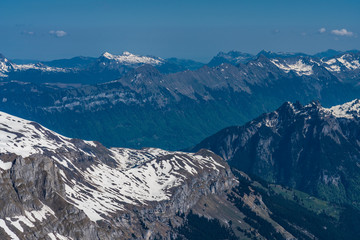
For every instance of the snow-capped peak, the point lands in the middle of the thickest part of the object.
(347, 62)
(25, 138)
(126, 53)
(346, 110)
(127, 58)
(5, 66)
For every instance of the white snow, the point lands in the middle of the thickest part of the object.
(44, 68)
(11, 234)
(351, 65)
(134, 176)
(3, 75)
(31, 217)
(39, 215)
(92, 102)
(333, 68)
(25, 138)
(346, 61)
(61, 237)
(300, 68)
(331, 61)
(15, 221)
(52, 236)
(58, 236)
(127, 58)
(6, 67)
(347, 110)
(5, 165)
(141, 176)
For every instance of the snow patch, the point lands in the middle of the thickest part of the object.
(11, 234)
(116, 178)
(5, 165)
(25, 138)
(300, 68)
(58, 236)
(347, 110)
(141, 176)
(127, 58)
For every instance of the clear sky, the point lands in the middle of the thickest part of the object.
(197, 30)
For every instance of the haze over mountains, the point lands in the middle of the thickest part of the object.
(180, 108)
(88, 70)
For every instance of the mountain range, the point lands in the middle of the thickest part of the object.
(290, 173)
(87, 70)
(136, 104)
(54, 187)
(109, 67)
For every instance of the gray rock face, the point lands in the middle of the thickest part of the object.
(311, 148)
(54, 187)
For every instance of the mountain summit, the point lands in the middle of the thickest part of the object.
(310, 148)
(128, 58)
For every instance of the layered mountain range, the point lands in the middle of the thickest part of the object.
(88, 70)
(310, 148)
(54, 187)
(148, 107)
(109, 67)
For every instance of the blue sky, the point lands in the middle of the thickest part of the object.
(186, 29)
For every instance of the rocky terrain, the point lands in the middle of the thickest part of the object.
(54, 187)
(310, 148)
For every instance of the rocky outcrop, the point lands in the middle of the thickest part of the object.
(310, 148)
(59, 188)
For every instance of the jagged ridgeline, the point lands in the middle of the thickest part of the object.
(310, 148)
(54, 187)
(138, 101)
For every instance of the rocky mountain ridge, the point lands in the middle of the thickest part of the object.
(310, 148)
(54, 187)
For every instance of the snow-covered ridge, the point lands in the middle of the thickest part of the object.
(142, 176)
(345, 62)
(102, 181)
(299, 67)
(41, 67)
(347, 110)
(25, 138)
(6, 67)
(127, 58)
(304, 65)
